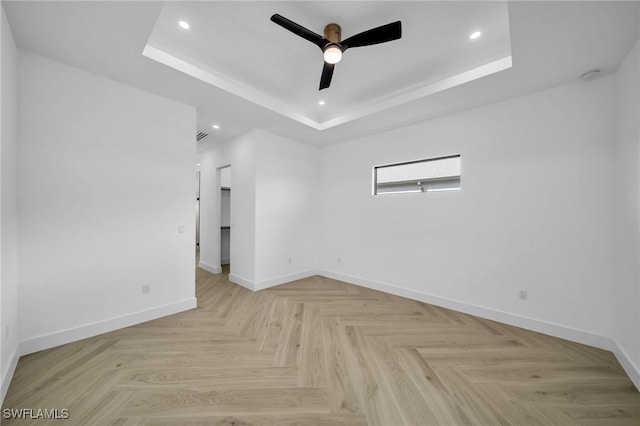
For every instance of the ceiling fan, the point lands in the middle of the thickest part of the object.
(333, 47)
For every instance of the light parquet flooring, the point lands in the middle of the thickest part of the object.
(321, 352)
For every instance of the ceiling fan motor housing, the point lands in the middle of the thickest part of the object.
(333, 33)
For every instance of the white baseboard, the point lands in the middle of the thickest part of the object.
(272, 282)
(248, 284)
(628, 365)
(261, 285)
(209, 268)
(62, 337)
(8, 374)
(545, 327)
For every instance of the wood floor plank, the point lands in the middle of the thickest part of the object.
(227, 402)
(430, 388)
(509, 406)
(524, 372)
(402, 391)
(378, 403)
(192, 358)
(203, 378)
(343, 398)
(103, 410)
(312, 371)
(257, 318)
(610, 414)
(288, 351)
(273, 327)
(262, 420)
(490, 355)
(471, 400)
(554, 416)
(576, 394)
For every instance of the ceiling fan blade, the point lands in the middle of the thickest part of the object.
(389, 32)
(299, 30)
(327, 73)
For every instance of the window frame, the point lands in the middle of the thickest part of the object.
(374, 179)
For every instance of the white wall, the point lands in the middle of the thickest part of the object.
(9, 207)
(626, 290)
(534, 212)
(286, 184)
(272, 209)
(105, 179)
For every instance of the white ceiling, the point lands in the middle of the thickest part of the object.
(236, 47)
(252, 73)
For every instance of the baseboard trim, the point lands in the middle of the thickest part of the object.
(272, 282)
(540, 326)
(248, 284)
(209, 268)
(8, 374)
(261, 285)
(74, 334)
(628, 365)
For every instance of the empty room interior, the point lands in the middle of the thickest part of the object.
(320, 212)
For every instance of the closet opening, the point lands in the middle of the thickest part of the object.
(225, 218)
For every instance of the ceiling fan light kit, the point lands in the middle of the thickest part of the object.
(332, 51)
(332, 54)
(332, 45)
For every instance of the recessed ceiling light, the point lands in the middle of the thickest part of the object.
(198, 164)
(475, 35)
(216, 126)
(184, 24)
(321, 102)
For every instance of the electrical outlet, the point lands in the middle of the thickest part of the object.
(339, 260)
(522, 294)
(180, 229)
(289, 261)
(146, 289)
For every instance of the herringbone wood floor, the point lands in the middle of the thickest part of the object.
(322, 352)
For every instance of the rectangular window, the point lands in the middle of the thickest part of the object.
(433, 174)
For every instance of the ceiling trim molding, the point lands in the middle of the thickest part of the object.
(397, 99)
(258, 97)
(227, 84)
